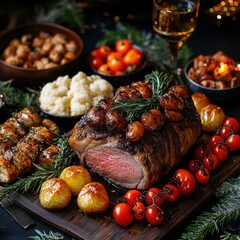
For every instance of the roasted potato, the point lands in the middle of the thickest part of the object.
(54, 194)
(93, 198)
(76, 177)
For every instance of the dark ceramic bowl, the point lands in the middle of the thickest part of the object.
(128, 78)
(33, 77)
(215, 95)
(2, 100)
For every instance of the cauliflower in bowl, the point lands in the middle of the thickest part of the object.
(74, 96)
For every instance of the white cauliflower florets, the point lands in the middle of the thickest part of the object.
(74, 96)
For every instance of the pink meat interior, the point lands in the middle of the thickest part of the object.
(116, 165)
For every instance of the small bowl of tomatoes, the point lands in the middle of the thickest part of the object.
(120, 63)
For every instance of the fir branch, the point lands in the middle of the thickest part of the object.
(46, 236)
(16, 99)
(33, 182)
(228, 209)
(64, 12)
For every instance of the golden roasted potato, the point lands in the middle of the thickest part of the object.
(93, 198)
(212, 117)
(200, 100)
(54, 194)
(76, 177)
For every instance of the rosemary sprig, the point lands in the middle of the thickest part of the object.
(33, 182)
(133, 108)
(46, 236)
(226, 210)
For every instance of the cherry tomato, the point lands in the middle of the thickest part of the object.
(116, 64)
(96, 63)
(154, 215)
(226, 131)
(210, 162)
(194, 165)
(221, 152)
(104, 50)
(96, 53)
(185, 180)
(132, 196)
(112, 55)
(233, 122)
(201, 151)
(233, 142)
(133, 57)
(171, 192)
(139, 211)
(202, 176)
(122, 214)
(155, 195)
(214, 141)
(123, 46)
(105, 69)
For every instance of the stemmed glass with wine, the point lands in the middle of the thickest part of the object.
(174, 21)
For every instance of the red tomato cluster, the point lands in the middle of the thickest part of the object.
(121, 59)
(147, 205)
(206, 158)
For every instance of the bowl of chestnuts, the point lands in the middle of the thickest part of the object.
(34, 54)
(217, 76)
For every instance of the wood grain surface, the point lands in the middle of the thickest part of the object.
(73, 222)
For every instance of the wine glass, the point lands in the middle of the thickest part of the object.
(174, 21)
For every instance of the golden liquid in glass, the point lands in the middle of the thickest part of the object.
(174, 20)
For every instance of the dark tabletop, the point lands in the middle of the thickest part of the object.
(210, 36)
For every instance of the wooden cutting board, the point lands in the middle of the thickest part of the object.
(73, 222)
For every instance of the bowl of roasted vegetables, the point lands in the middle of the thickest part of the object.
(119, 63)
(217, 76)
(37, 53)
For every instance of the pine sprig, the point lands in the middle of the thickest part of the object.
(33, 182)
(133, 108)
(46, 236)
(16, 99)
(64, 12)
(228, 209)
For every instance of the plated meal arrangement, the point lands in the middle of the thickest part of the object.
(137, 157)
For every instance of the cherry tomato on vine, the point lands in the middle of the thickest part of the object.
(155, 195)
(210, 162)
(154, 215)
(193, 165)
(201, 151)
(214, 141)
(133, 57)
(171, 192)
(226, 131)
(221, 152)
(233, 142)
(233, 122)
(202, 176)
(96, 62)
(122, 214)
(185, 180)
(104, 50)
(105, 69)
(132, 197)
(139, 211)
(123, 46)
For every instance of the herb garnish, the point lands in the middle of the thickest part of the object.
(133, 108)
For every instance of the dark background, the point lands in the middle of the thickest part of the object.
(209, 37)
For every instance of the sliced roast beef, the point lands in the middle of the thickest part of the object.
(136, 164)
